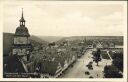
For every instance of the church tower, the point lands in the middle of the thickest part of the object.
(21, 43)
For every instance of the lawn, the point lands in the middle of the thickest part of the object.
(104, 55)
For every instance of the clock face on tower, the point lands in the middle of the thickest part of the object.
(20, 40)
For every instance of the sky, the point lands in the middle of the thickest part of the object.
(65, 18)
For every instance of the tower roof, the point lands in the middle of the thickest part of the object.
(22, 30)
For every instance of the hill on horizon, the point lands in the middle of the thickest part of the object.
(8, 41)
(44, 40)
(92, 38)
(51, 38)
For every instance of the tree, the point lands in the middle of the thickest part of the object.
(118, 60)
(97, 56)
(112, 72)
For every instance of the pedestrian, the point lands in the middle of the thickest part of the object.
(97, 75)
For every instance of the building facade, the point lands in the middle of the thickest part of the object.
(21, 42)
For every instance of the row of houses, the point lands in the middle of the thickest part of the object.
(52, 61)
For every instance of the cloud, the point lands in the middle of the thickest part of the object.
(116, 16)
(65, 19)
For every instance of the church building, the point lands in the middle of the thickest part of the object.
(21, 43)
(16, 63)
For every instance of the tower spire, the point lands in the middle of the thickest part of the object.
(22, 13)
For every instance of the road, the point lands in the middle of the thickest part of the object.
(79, 68)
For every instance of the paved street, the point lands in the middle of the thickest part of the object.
(79, 68)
